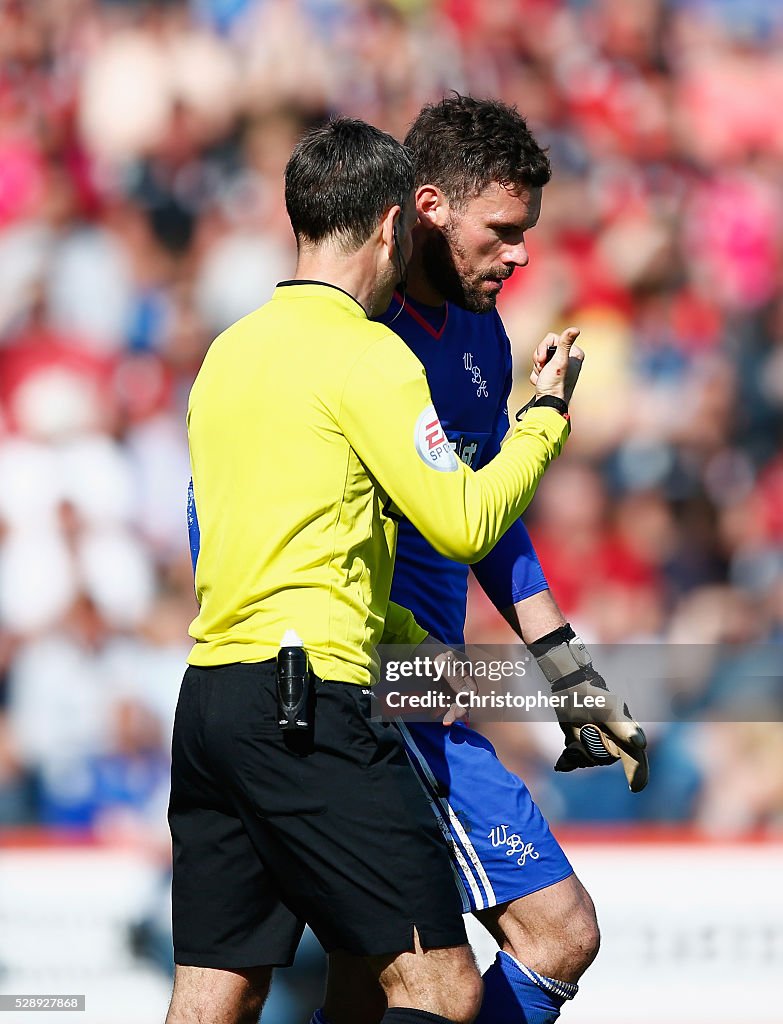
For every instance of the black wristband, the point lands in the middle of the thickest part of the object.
(545, 401)
(551, 402)
(524, 409)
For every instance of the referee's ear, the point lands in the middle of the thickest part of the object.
(391, 231)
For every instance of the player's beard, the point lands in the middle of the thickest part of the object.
(442, 255)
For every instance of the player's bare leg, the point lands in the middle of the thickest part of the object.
(553, 931)
(206, 995)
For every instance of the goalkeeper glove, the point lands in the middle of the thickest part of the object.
(596, 735)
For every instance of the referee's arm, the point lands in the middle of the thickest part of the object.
(460, 512)
(400, 627)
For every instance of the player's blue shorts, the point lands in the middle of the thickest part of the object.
(500, 843)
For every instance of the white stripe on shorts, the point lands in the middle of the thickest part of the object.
(457, 829)
(443, 825)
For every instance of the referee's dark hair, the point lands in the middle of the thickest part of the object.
(463, 144)
(341, 179)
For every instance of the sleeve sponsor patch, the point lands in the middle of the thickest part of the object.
(432, 444)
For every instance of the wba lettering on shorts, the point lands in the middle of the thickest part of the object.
(501, 835)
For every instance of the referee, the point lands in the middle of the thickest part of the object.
(311, 431)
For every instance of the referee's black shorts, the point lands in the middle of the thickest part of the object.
(332, 829)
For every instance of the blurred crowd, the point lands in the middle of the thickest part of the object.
(141, 155)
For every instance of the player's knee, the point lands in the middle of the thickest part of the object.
(564, 941)
(574, 942)
(582, 936)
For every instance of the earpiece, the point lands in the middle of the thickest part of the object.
(402, 267)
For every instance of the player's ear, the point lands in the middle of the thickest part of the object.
(431, 206)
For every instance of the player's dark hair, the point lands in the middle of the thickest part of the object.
(342, 178)
(463, 144)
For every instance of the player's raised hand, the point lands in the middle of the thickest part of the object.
(557, 362)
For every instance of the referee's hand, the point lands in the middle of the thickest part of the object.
(459, 683)
(453, 674)
(556, 372)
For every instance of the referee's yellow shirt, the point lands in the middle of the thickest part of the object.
(308, 424)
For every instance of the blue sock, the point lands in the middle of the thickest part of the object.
(513, 994)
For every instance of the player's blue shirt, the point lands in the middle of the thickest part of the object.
(467, 358)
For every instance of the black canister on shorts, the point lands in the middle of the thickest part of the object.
(293, 684)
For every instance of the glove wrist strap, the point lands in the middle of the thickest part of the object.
(545, 643)
(563, 657)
